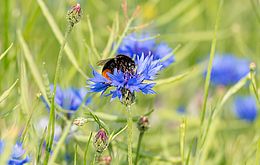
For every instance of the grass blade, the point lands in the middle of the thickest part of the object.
(58, 34)
(257, 161)
(5, 52)
(39, 152)
(7, 92)
(182, 140)
(173, 13)
(86, 150)
(211, 58)
(172, 79)
(33, 67)
(92, 41)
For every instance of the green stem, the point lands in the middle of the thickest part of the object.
(95, 160)
(51, 125)
(141, 134)
(129, 130)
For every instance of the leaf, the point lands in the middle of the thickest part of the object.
(119, 131)
(99, 122)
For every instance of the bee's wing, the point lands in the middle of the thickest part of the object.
(103, 62)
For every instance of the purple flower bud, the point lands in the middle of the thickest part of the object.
(105, 160)
(143, 124)
(74, 14)
(101, 140)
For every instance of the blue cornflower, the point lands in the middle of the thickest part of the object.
(135, 45)
(245, 108)
(125, 84)
(70, 98)
(18, 154)
(228, 69)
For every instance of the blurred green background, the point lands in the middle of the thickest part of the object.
(184, 24)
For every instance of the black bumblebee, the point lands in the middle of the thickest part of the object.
(120, 62)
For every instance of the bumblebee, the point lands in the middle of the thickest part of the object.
(120, 62)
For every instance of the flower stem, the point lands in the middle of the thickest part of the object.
(138, 146)
(51, 125)
(130, 134)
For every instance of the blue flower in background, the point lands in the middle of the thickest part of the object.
(70, 98)
(42, 124)
(181, 109)
(228, 69)
(1, 146)
(18, 154)
(245, 108)
(135, 46)
(125, 83)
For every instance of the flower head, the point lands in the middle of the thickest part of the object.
(135, 46)
(125, 84)
(245, 108)
(70, 98)
(228, 69)
(18, 156)
(74, 14)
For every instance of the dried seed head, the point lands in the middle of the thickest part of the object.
(80, 121)
(74, 14)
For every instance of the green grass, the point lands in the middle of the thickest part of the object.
(209, 133)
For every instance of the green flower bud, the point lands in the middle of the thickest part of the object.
(252, 66)
(128, 98)
(143, 124)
